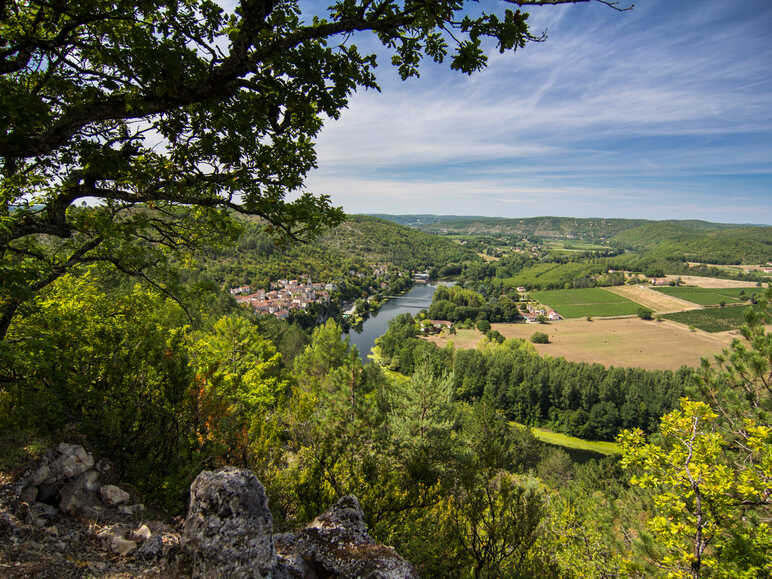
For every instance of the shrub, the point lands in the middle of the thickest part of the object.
(540, 338)
(645, 314)
(483, 325)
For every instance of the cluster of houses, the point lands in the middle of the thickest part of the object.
(535, 313)
(284, 296)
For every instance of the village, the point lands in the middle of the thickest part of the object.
(284, 296)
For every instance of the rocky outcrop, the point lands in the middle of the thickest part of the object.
(229, 533)
(229, 528)
(68, 479)
(336, 544)
(62, 512)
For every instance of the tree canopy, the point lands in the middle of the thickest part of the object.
(113, 115)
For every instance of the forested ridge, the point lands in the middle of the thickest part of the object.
(357, 244)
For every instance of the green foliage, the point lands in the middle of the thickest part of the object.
(457, 304)
(699, 241)
(114, 366)
(234, 101)
(238, 384)
(483, 326)
(554, 227)
(645, 314)
(353, 246)
(710, 466)
(540, 338)
(421, 418)
(492, 526)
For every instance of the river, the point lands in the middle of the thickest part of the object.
(418, 298)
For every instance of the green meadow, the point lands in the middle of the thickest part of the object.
(708, 296)
(577, 303)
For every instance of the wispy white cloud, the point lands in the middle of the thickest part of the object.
(667, 92)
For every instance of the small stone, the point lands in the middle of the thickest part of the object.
(122, 546)
(41, 511)
(40, 475)
(74, 460)
(113, 495)
(131, 510)
(89, 480)
(143, 533)
(72, 499)
(52, 530)
(152, 548)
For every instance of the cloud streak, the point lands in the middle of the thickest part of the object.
(674, 94)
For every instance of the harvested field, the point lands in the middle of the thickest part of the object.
(710, 282)
(656, 301)
(624, 342)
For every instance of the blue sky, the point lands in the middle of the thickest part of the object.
(661, 112)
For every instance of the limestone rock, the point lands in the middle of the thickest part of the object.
(336, 544)
(131, 510)
(122, 546)
(229, 527)
(152, 548)
(40, 475)
(113, 495)
(73, 460)
(143, 533)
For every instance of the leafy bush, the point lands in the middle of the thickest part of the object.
(540, 338)
(645, 314)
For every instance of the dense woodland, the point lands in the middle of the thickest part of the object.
(355, 245)
(583, 400)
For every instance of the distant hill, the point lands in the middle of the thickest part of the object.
(690, 240)
(590, 229)
(685, 240)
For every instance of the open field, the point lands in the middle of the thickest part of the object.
(712, 319)
(706, 296)
(656, 301)
(578, 303)
(761, 269)
(625, 342)
(710, 282)
(561, 246)
(463, 339)
(566, 441)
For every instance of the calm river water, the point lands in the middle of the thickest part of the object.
(417, 299)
